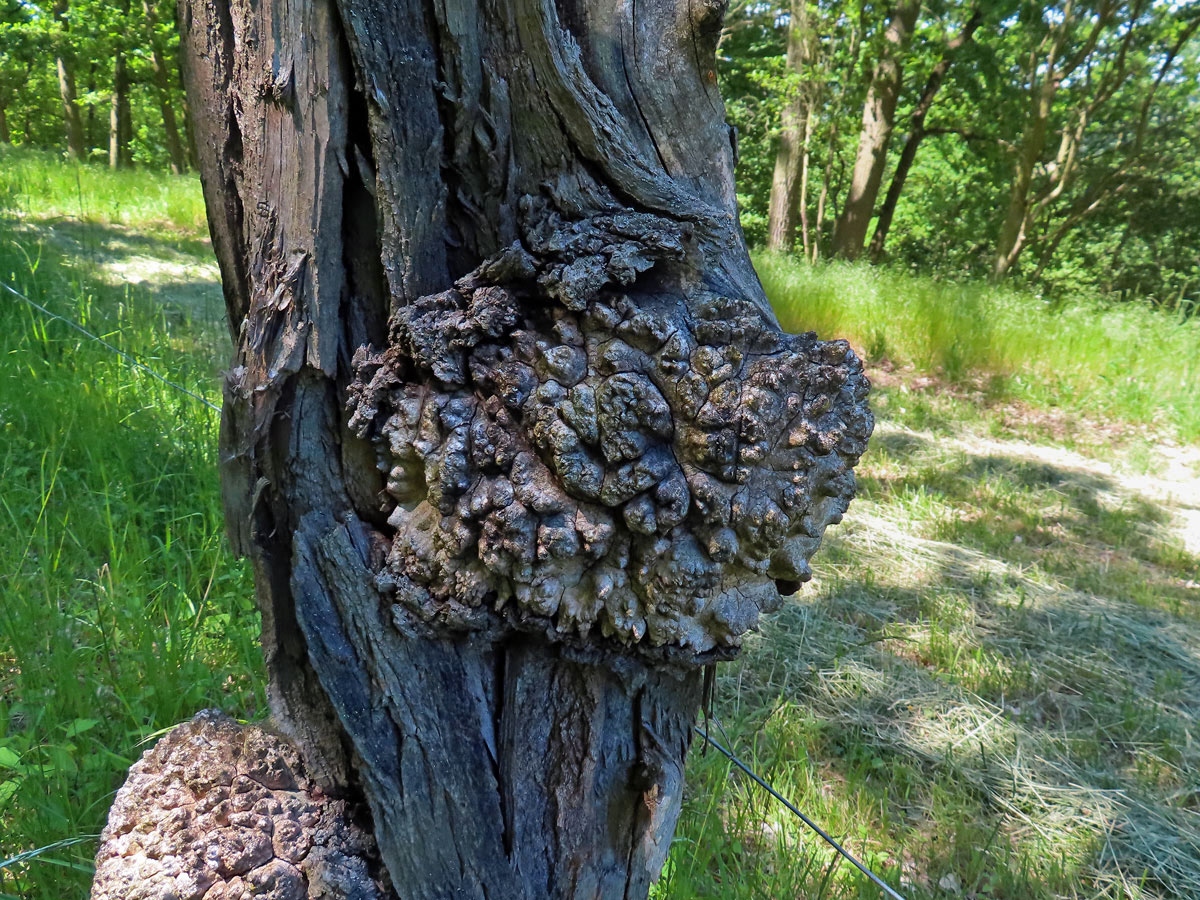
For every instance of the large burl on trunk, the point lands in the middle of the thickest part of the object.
(511, 435)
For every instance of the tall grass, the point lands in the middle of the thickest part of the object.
(36, 183)
(1126, 361)
(121, 609)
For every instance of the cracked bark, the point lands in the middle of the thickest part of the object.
(511, 434)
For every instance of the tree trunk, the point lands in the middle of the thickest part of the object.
(5, 135)
(1046, 74)
(879, 113)
(119, 125)
(162, 86)
(511, 434)
(916, 132)
(784, 210)
(72, 120)
(1014, 230)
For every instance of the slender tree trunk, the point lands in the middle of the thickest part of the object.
(162, 86)
(916, 131)
(72, 120)
(1054, 68)
(1014, 231)
(511, 434)
(879, 112)
(823, 196)
(119, 125)
(5, 135)
(784, 208)
(805, 173)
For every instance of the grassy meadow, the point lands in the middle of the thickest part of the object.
(989, 690)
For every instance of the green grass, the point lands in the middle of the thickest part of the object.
(989, 690)
(121, 611)
(991, 683)
(1125, 361)
(35, 183)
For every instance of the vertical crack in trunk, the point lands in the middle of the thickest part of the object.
(511, 434)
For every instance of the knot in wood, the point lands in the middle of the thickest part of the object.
(605, 446)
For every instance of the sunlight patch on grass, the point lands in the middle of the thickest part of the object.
(968, 708)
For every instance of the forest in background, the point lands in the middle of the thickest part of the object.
(99, 81)
(1050, 143)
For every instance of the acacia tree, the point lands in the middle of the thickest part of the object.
(512, 436)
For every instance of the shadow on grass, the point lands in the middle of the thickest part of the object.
(1005, 702)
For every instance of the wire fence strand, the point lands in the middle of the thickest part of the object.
(128, 357)
(762, 783)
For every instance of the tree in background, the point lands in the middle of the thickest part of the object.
(93, 78)
(878, 115)
(916, 128)
(1033, 121)
(64, 60)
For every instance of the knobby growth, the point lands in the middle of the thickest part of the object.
(512, 436)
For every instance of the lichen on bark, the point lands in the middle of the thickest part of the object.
(577, 432)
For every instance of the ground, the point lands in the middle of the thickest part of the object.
(988, 689)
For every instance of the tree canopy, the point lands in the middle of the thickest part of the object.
(1053, 143)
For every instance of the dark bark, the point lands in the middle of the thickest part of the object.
(72, 120)
(120, 126)
(879, 113)
(511, 434)
(5, 136)
(916, 130)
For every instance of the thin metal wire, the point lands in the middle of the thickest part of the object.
(728, 754)
(703, 732)
(132, 360)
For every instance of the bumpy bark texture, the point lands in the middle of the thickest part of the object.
(221, 811)
(629, 463)
(511, 434)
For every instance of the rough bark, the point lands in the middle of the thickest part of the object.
(511, 434)
(68, 94)
(786, 205)
(916, 130)
(222, 811)
(878, 118)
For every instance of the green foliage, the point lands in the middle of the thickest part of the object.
(1115, 180)
(87, 34)
(121, 609)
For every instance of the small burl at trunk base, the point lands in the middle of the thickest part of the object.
(511, 434)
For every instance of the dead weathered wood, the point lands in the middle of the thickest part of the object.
(223, 811)
(511, 434)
